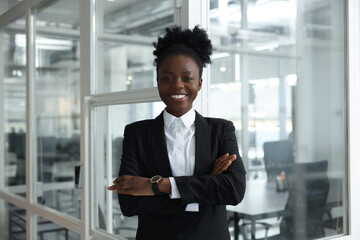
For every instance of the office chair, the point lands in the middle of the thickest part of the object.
(278, 157)
(306, 205)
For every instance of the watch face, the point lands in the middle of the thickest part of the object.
(155, 179)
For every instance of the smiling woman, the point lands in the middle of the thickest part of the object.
(178, 171)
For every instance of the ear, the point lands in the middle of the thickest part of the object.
(200, 83)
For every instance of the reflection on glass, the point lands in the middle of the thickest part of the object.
(13, 224)
(49, 230)
(278, 71)
(108, 124)
(61, 14)
(57, 106)
(13, 105)
(7, 4)
(124, 36)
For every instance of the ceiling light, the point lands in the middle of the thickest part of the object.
(222, 69)
(220, 55)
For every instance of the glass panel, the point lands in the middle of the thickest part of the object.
(279, 72)
(13, 221)
(48, 230)
(108, 125)
(13, 225)
(124, 36)
(13, 106)
(7, 4)
(56, 15)
(58, 105)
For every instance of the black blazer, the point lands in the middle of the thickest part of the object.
(145, 154)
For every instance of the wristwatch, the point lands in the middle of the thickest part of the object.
(154, 184)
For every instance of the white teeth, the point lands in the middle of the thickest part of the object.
(177, 96)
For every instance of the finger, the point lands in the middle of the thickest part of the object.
(225, 165)
(232, 157)
(123, 178)
(222, 157)
(118, 179)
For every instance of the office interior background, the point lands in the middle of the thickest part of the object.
(73, 73)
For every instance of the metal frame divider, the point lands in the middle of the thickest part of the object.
(87, 23)
(353, 101)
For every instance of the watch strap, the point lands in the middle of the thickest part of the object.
(155, 188)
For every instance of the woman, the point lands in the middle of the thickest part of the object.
(179, 170)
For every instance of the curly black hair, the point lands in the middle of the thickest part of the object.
(192, 43)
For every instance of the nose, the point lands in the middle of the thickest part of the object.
(177, 83)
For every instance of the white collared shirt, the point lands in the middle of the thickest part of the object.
(180, 143)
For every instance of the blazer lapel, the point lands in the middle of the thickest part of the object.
(202, 145)
(158, 144)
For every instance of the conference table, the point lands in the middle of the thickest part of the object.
(262, 201)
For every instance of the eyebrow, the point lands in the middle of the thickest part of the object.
(185, 72)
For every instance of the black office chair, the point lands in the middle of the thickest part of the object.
(305, 208)
(306, 205)
(278, 157)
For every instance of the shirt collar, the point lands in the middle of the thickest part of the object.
(187, 119)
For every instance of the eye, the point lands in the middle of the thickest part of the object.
(166, 78)
(188, 78)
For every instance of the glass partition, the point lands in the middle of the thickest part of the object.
(13, 225)
(57, 91)
(108, 128)
(125, 31)
(7, 4)
(46, 229)
(13, 106)
(13, 221)
(279, 72)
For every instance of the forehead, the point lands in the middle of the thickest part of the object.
(178, 63)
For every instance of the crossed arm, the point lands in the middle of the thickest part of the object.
(141, 186)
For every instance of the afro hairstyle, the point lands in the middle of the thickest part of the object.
(192, 43)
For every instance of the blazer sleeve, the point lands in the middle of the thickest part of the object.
(227, 188)
(145, 205)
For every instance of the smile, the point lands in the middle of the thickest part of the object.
(180, 96)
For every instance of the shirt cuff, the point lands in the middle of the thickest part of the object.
(174, 190)
(192, 207)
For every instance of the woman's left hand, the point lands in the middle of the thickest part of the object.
(132, 185)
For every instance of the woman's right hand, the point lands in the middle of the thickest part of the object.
(222, 163)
